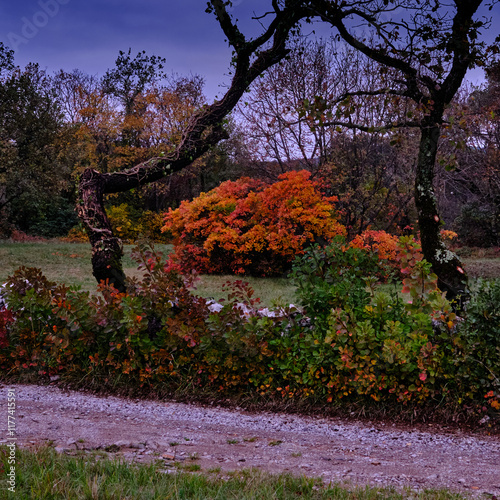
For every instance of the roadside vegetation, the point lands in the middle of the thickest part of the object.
(43, 474)
(399, 349)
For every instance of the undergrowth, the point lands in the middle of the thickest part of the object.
(349, 347)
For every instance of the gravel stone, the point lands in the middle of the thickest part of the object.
(336, 450)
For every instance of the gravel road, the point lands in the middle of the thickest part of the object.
(335, 450)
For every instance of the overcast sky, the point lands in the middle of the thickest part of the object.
(87, 34)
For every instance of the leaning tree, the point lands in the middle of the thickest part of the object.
(251, 57)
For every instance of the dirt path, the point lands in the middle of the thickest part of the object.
(232, 439)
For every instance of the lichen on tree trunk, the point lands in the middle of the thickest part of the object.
(445, 263)
(107, 249)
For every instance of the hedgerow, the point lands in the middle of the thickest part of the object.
(348, 342)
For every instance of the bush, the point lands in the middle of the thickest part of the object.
(479, 335)
(350, 342)
(128, 224)
(331, 277)
(77, 234)
(61, 330)
(371, 343)
(385, 246)
(131, 225)
(246, 227)
(388, 248)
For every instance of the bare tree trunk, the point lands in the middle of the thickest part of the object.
(107, 249)
(451, 277)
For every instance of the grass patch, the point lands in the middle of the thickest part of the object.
(63, 262)
(271, 291)
(59, 261)
(43, 474)
(69, 263)
(482, 267)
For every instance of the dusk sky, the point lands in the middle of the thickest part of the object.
(70, 34)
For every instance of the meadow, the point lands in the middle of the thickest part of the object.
(69, 263)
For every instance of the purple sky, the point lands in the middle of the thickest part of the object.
(69, 34)
(87, 34)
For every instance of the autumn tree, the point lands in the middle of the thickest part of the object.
(91, 121)
(128, 83)
(429, 45)
(99, 128)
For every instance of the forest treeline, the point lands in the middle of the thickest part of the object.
(54, 126)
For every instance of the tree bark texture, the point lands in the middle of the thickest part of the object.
(251, 58)
(107, 249)
(447, 266)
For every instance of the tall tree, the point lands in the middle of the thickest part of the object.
(30, 125)
(6, 59)
(128, 82)
(430, 45)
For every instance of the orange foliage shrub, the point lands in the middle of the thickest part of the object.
(246, 227)
(388, 248)
(384, 244)
(448, 236)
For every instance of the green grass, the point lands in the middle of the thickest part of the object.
(482, 267)
(43, 474)
(69, 263)
(271, 291)
(59, 261)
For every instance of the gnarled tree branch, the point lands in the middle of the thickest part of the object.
(252, 58)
